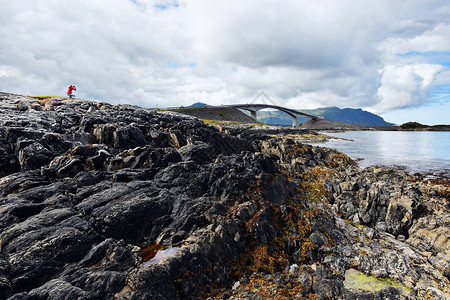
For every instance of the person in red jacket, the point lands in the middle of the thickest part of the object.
(70, 89)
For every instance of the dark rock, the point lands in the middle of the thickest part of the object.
(6, 289)
(318, 239)
(130, 217)
(129, 137)
(199, 152)
(97, 162)
(9, 163)
(55, 143)
(27, 210)
(104, 133)
(358, 295)
(34, 156)
(326, 284)
(58, 289)
(90, 192)
(70, 168)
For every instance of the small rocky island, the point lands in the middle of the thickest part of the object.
(102, 201)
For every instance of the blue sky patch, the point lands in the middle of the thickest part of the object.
(166, 4)
(426, 54)
(442, 87)
(176, 65)
(433, 57)
(439, 97)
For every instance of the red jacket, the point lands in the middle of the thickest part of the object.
(71, 88)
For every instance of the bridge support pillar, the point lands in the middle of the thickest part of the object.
(253, 114)
(294, 121)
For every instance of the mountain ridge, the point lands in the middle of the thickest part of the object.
(333, 113)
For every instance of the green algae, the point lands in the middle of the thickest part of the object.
(358, 280)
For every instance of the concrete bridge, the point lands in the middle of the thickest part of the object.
(253, 108)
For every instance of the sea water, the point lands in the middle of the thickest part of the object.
(413, 151)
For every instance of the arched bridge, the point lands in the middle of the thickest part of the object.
(253, 108)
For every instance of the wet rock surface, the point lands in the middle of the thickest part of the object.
(90, 192)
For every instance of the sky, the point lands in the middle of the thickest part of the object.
(389, 57)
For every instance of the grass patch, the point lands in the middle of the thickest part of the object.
(47, 97)
(219, 122)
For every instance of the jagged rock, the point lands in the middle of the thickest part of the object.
(70, 168)
(90, 191)
(198, 152)
(128, 136)
(58, 289)
(6, 290)
(318, 239)
(431, 233)
(34, 156)
(8, 162)
(105, 133)
(399, 215)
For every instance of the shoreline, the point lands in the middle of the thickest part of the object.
(324, 124)
(320, 138)
(364, 161)
(386, 129)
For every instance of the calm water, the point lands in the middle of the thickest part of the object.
(424, 152)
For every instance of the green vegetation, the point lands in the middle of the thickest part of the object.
(413, 125)
(440, 126)
(223, 122)
(358, 280)
(219, 122)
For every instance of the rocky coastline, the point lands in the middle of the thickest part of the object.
(102, 201)
(329, 125)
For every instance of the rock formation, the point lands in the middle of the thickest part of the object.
(102, 201)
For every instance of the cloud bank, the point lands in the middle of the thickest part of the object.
(381, 55)
(405, 86)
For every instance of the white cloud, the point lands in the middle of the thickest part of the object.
(311, 100)
(435, 39)
(168, 52)
(405, 86)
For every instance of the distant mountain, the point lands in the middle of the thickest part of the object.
(350, 115)
(199, 104)
(345, 115)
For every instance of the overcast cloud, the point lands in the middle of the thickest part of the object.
(381, 55)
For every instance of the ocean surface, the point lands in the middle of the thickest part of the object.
(415, 152)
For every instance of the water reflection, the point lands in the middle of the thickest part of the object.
(161, 255)
(416, 151)
(398, 145)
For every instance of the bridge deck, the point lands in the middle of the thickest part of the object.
(256, 107)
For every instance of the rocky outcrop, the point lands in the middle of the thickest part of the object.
(413, 211)
(101, 201)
